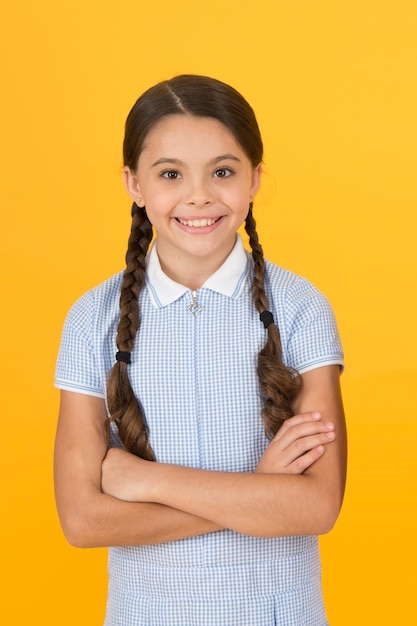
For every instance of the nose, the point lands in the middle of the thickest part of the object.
(199, 195)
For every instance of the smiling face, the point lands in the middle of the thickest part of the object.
(196, 183)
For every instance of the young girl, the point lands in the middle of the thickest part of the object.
(201, 430)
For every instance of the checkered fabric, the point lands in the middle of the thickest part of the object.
(196, 379)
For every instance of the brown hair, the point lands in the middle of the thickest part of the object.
(203, 97)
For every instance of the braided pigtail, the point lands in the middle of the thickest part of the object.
(277, 382)
(124, 409)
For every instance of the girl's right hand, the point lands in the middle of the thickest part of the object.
(298, 444)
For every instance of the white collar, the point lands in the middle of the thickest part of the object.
(229, 280)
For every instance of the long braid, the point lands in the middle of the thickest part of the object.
(124, 409)
(277, 382)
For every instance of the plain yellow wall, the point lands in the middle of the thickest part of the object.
(334, 86)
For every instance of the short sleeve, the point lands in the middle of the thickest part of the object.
(312, 335)
(77, 368)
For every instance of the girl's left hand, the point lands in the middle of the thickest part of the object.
(299, 443)
(124, 475)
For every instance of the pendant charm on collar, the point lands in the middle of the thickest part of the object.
(193, 307)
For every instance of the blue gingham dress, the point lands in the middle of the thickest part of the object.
(196, 379)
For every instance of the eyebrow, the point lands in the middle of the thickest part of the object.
(218, 159)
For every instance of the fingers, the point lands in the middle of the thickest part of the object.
(303, 462)
(312, 417)
(306, 444)
(300, 441)
(304, 425)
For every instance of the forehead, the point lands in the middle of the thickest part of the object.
(180, 133)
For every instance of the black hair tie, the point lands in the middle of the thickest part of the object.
(266, 318)
(124, 357)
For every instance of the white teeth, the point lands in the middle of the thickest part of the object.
(196, 223)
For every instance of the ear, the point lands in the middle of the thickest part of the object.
(256, 181)
(132, 186)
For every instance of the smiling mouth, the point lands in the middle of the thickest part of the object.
(198, 223)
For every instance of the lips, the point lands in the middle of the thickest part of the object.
(201, 223)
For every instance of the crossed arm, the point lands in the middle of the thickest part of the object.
(114, 498)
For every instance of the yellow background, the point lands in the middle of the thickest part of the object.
(334, 86)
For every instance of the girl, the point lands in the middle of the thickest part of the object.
(201, 430)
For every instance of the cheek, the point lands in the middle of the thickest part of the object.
(157, 200)
(159, 208)
(242, 199)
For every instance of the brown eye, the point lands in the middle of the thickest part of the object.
(223, 172)
(171, 174)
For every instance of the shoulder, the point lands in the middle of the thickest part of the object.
(305, 318)
(100, 301)
(294, 289)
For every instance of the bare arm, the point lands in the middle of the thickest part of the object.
(89, 517)
(266, 503)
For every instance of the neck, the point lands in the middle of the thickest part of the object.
(192, 277)
(191, 273)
